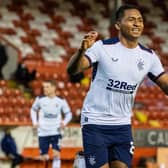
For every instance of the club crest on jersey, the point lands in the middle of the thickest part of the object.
(114, 59)
(92, 160)
(140, 64)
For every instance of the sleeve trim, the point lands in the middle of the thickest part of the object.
(90, 61)
(154, 78)
(159, 75)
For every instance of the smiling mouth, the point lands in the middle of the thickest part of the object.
(135, 30)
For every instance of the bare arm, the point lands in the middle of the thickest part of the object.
(78, 62)
(162, 82)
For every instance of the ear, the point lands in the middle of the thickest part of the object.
(117, 26)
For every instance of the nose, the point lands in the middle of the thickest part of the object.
(137, 22)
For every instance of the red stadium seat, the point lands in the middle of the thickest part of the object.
(68, 24)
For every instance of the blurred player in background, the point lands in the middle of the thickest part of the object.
(49, 121)
(119, 66)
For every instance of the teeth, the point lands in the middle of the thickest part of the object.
(135, 30)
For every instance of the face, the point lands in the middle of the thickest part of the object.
(48, 89)
(131, 24)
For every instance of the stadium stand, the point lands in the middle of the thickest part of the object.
(46, 39)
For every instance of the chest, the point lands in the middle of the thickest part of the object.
(124, 64)
(50, 105)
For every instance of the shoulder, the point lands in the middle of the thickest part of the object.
(60, 99)
(146, 49)
(40, 97)
(110, 41)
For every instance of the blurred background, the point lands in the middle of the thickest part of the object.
(37, 38)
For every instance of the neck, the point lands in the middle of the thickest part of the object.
(128, 43)
(52, 95)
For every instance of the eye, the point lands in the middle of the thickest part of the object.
(140, 20)
(131, 19)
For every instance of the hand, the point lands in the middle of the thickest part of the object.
(89, 40)
(35, 129)
(35, 126)
(62, 124)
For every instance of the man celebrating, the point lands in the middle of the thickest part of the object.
(119, 66)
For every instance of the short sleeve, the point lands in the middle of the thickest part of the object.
(92, 53)
(156, 68)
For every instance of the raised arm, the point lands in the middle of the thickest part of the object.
(162, 82)
(78, 61)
